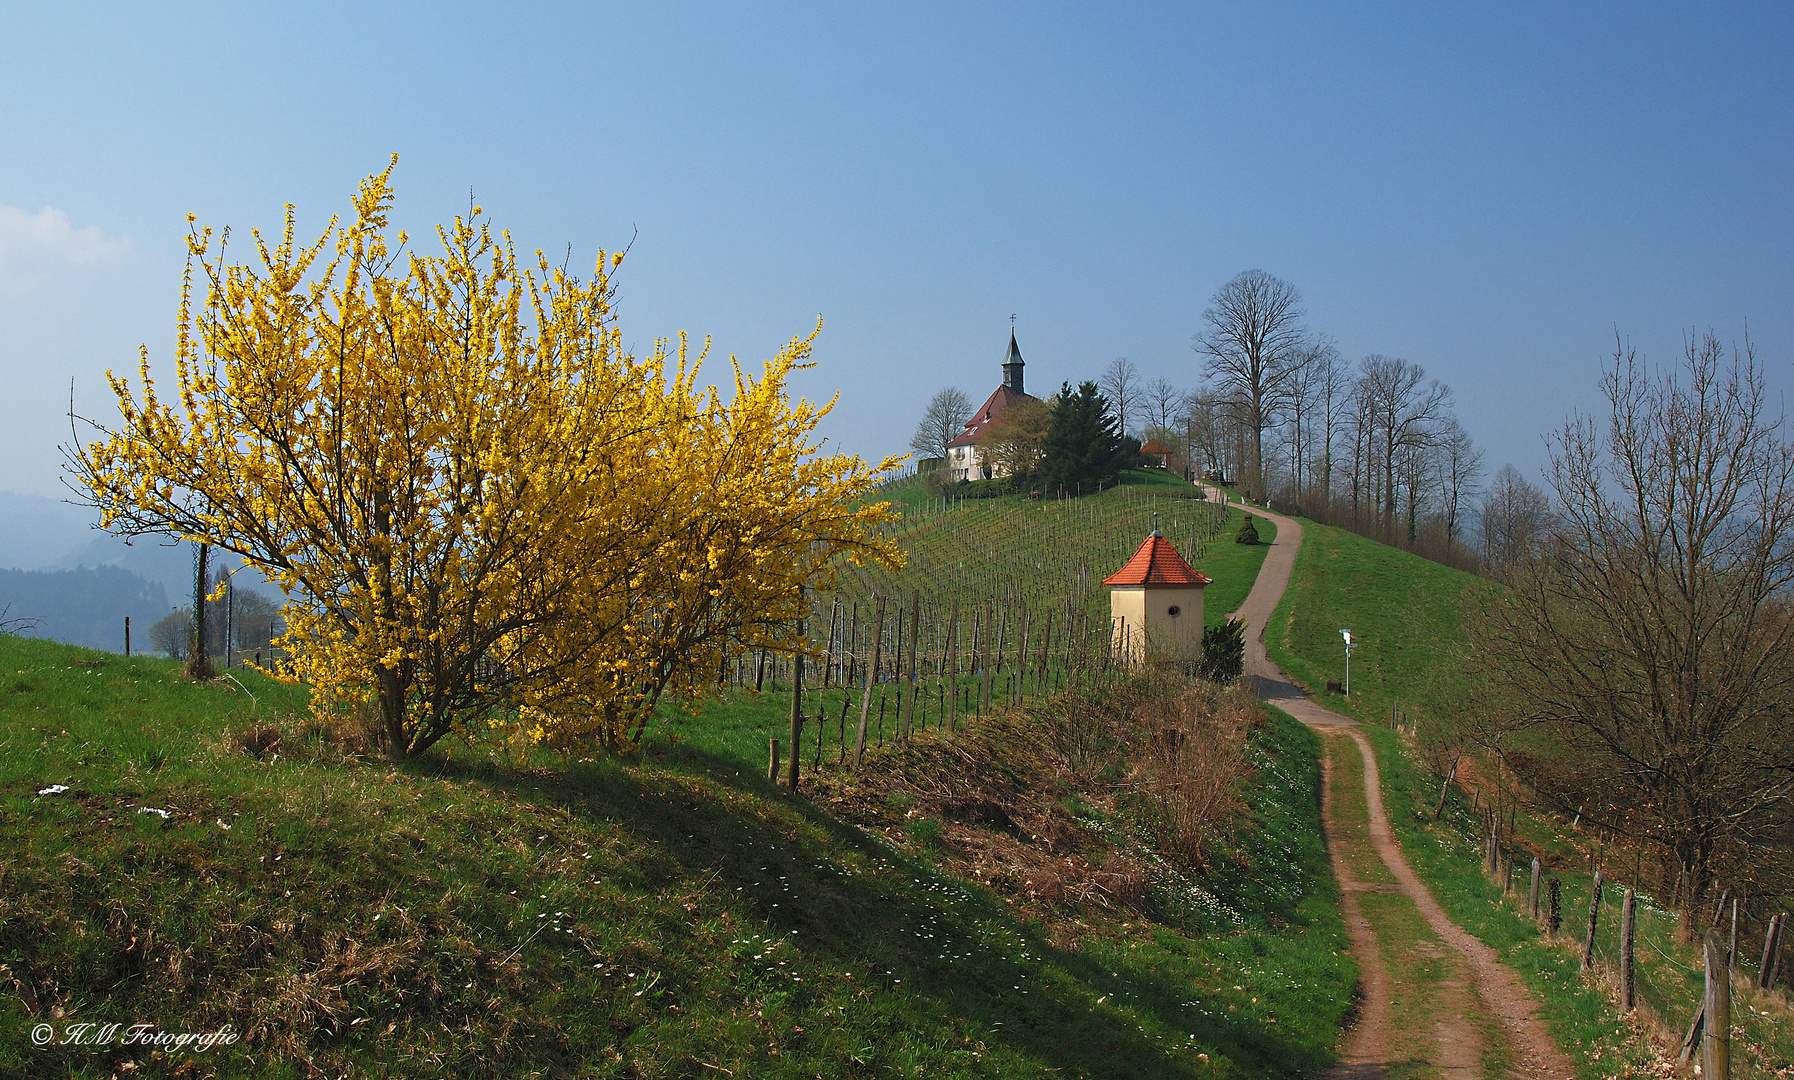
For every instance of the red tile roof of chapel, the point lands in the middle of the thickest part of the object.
(1157, 563)
(994, 406)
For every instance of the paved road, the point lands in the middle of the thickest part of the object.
(1495, 987)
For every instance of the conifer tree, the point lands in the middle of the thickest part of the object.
(1083, 445)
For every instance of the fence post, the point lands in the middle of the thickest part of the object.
(829, 658)
(772, 760)
(878, 629)
(984, 663)
(910, 683)
(1554, 919)
(1772, 951)
(1532, 896)
(1716, 1039)
(797, 695)
(127, 636)
(1628, 979)
(1594, 913)
(951, 695)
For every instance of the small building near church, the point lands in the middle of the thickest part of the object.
(1154, 452)
(1155, 606)
(963, 459)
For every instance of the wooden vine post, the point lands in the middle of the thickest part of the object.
(878, 628)
(797, 698)
(952, 673)
(984, 684)
(910, 681)
(828, 659)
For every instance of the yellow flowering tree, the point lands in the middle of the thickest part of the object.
(481, 507)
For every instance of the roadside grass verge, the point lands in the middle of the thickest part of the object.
(1406, 614)
(673, 915)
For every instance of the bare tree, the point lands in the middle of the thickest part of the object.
(1122, 386)
(1513, 518)
(1215, 438)
(1401, 411)
(172, 635)
(1162, 399)
(1647, 658)
(942, 422)
(1460, 465)
(1308, 371)
(1253, 337)
(1332, 393)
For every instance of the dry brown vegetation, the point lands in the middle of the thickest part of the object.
(1055, 804)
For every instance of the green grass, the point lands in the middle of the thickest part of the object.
(1054, 553)
(1405, 613)
(670, 916)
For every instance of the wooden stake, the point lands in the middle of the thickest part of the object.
(1594, 913)
(828, 661)
(1716, 1040)
(910, 680)
(772, 760)
(878, 626)
(797, 696)
(950, 688)
(1628, 976)
(1768, 952)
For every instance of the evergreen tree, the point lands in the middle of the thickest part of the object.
(1083, 444)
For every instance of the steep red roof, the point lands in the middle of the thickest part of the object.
(1000, 399)
(1152, 447)
(1157, 563)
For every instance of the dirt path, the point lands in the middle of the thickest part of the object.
(1435, 1000)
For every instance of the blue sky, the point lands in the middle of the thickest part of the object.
(1489, 192)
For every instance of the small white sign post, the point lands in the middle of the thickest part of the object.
(1347, 634)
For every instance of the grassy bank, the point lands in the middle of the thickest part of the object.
(215, 859)
(1405, 613)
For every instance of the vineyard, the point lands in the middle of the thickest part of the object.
(999, 599)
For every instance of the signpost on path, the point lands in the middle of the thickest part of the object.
(1347, 634)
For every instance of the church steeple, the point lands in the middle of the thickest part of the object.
(1012, 365)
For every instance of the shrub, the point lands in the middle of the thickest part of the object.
(1223, 652)
(1248, 533)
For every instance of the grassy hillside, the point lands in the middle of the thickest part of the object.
(1405, 613)
(212, 858)
(1054, 553)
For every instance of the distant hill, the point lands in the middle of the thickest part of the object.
(39, 533)
(36, 531)
(86, 606)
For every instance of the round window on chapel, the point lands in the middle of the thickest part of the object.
(1174, 611)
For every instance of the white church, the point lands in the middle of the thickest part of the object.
(962, 453)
